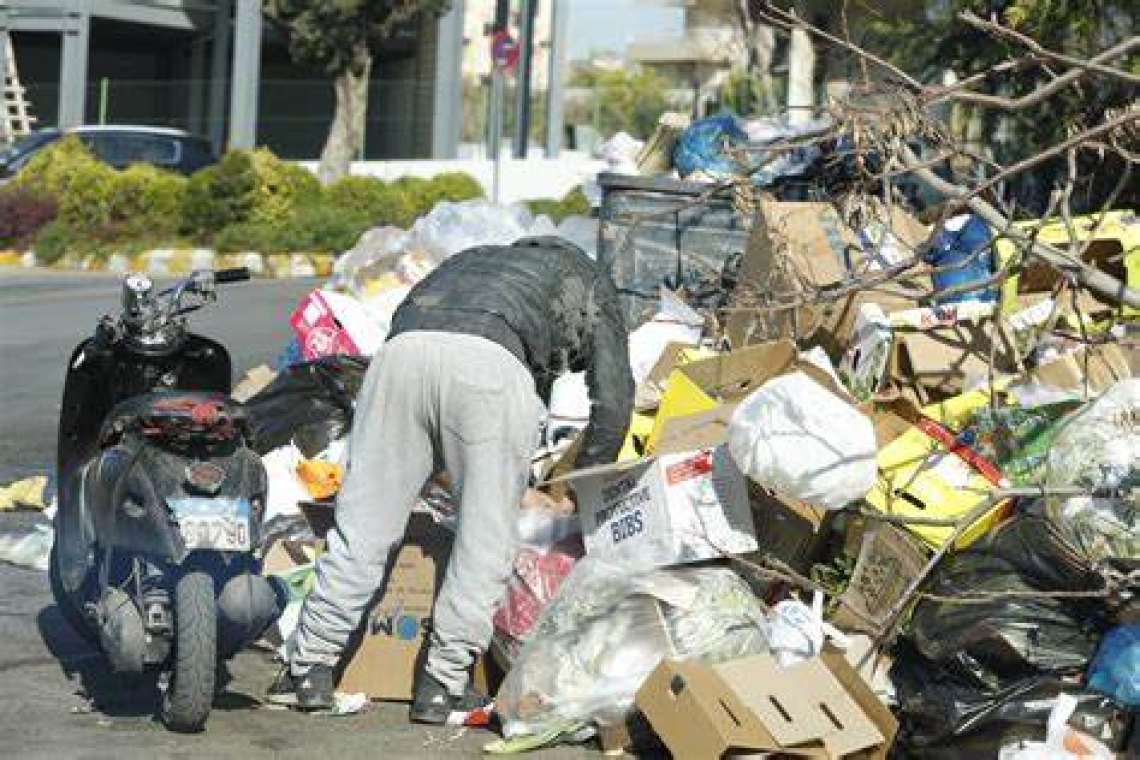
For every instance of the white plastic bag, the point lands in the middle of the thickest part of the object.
(675, 322)
(799, 439)
(797, 631)
(1099, 447)
(607, 629)
(1059, 739)
(285, 489)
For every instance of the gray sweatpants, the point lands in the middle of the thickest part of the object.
(428, 397)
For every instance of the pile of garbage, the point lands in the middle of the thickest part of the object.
(849, 523)
(859, 524)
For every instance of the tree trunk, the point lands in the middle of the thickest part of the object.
(346, 133)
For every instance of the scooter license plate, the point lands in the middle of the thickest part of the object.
(220, 524)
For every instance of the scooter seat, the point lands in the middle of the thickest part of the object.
(206, 412)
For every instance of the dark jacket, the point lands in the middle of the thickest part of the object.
(546, 302)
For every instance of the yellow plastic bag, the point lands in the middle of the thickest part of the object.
(321, 479)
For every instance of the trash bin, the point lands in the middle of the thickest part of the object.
(657, 231)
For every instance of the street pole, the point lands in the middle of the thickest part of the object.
(522, 105)
(496, 138)
(555, 122)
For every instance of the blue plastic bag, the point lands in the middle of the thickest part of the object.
(967, 249)
(701, 146)
(1116, 668)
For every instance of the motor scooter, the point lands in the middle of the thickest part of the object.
(160, 498)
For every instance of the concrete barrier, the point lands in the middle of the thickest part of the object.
(166, 262)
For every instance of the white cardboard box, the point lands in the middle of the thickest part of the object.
(668, 509)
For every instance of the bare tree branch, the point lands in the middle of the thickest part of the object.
(1004, 32)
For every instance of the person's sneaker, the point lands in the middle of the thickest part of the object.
(312, 691)
(433, 704)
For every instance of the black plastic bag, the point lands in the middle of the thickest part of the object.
(310, 404)
(1042, 555)
(941, 717)
(1006, 638)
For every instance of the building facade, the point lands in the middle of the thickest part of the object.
(216, 67)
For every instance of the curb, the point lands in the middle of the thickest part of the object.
(161, 262)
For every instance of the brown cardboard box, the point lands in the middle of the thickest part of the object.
(820, 708)
(934, 364)
(820, 250)
(789, 530)
(889, 559)
(1091, 369)
(383, 657)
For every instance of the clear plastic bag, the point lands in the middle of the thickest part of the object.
(1099, 447)
(608, 628)
(453, 227)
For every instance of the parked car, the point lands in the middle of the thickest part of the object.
(119, 146)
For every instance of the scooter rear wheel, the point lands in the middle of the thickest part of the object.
(190, 695)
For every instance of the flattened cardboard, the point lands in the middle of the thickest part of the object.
(820, 708)
(726, 379)
(675, 353)
(889, 559)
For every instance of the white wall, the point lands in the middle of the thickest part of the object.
(523, 179)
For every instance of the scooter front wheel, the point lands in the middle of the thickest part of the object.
(187, 701)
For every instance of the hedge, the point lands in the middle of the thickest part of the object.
(67, 201)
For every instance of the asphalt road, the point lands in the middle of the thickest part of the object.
(57, 696)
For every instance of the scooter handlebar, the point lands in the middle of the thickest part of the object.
(237, 274)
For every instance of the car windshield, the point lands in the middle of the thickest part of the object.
(24, 145)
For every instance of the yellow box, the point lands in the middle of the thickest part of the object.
(919, 476)
(636, 440)
(1116, 227)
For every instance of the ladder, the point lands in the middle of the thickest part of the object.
(15, 119)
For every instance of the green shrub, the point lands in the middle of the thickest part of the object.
(77, 181)
(219, 195)
(574, 203)
(146, 200)
(280, 188)
(371, 199)
(328, 228)
(55, 240)
(254, 236)
(417, 194)
(246, 186)
(454, 186)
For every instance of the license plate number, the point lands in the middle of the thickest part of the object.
(220, 524)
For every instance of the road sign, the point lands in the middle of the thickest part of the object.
(504, 50)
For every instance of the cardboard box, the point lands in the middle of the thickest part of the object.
(789, 530)
(890, 558)
(926, 473)
(668, 509)
(1090, 370)
(820, 708)
(384, 655)
(798, 245)
(936, 362)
